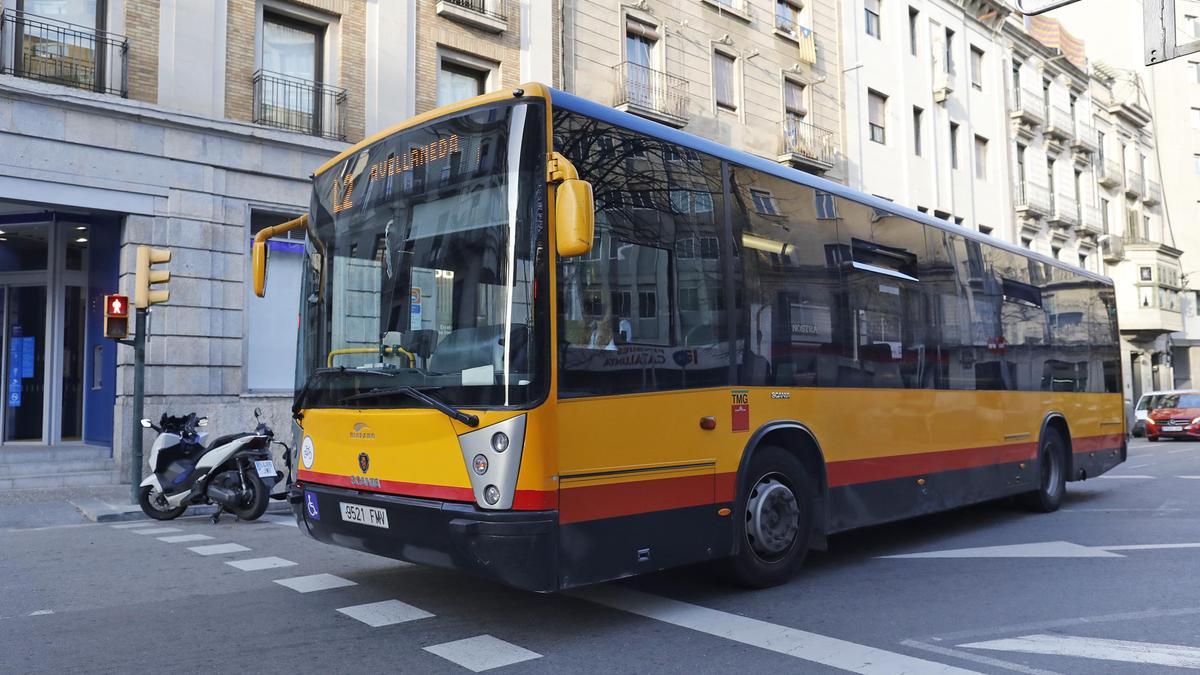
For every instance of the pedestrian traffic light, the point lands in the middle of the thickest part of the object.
(143, 295)
(116, 317)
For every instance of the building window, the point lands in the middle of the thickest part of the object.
(1196, 118)
(1016, 80)
(1195, 67)
(1146, 273)
(976, 67)
(916, 120)
(953, 145)
(1104, 214)
(1196, 164)
(1083, 260)
(270, 345)
(787, 17)
(1145, 228)
(981, 146)
(948, 57)
(1027, 242)
(457, 82)
(913, 21)
(877, 116)
(1046, 98)
(1021, 168)
(1050, 182)
(292, 56)
(984, 229)
(871, 17)
(764, 203)
(1056, 252)
(793, 103)
(1100, 148)
(1192, 25)
(724, 86)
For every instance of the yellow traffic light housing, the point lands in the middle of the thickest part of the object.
(145, 277)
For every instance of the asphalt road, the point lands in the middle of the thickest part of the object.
(1109, 584)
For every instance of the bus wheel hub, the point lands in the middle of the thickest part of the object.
(772, 517)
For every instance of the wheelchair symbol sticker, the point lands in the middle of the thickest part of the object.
(310, 505)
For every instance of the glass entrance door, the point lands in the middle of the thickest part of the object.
(24, 312)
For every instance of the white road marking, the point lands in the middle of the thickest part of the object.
(41, 612)
(126, 526)
(181, 538)
(157, 530)
(281, 520)
(1045, 549)
(1176, 452)
(1147, 547)
(217, 549)
(1139, 466)
(255, 564)
(976, 658)
(386, 613)
(1148, 653)
(314, 582)
(1111, 476)
(1059, 624)
(1189, 477)
(780, 639)
(482, 652)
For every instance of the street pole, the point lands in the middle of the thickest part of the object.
(139, 390)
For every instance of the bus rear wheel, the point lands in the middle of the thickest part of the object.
(774, 519)
(1052, 463)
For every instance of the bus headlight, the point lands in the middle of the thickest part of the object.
(499, 441)
(492, 460)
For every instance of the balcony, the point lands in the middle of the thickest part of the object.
(1135, 185)
(486, 15)
(1152, 193)
(1108, 173)
(650, 93)
(1027, 111)
(808, 147)
(1083, 140)
(1064, 212)
(1113, 247)
(49, 50)
(1091, 222)
(739, 9)
(1031, 201)
(1059, 123)
(293, 104)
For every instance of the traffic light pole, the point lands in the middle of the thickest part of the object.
(139, 391)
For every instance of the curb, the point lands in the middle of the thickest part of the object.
(97, 511)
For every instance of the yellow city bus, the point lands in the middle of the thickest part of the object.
(553, 344)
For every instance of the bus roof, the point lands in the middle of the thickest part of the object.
(650, 128)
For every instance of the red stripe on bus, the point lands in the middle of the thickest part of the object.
(1097, 443)
(595, 502)
(523, 500)
(854, 471)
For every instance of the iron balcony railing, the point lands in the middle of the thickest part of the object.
(492, 8)
(1027, 105)
(1030, 197)
(1135, 185)
(647, 90)
(294, 104)
(808, 141)
(50, 50)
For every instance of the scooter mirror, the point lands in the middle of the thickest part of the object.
(146, 424)
(257, 413)
(202, 422)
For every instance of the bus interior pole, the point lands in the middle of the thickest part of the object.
(139, 390)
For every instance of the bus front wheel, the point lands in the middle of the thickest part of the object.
(1052, 464)
(774, 519)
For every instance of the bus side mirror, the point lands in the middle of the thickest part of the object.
(574, 217)
(258, 265)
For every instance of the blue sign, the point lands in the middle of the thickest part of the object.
(27, 361)
(14, 392)
(310, 506)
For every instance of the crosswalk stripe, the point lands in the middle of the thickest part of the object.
(218, 549)
(281, 520)
(157, 530)
(803, 645)
(181, 538)
(141, 523)
(1111, 476)
(482, 652)
(386, 613)
(314, 582)
(255, 564)
(1147, 653)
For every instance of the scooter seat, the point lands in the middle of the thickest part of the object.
(228, 438)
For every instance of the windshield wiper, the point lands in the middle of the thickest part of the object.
(450, 411)
(301, 398)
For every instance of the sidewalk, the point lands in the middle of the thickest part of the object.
(55, 507)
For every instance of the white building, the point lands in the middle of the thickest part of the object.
(925, 112)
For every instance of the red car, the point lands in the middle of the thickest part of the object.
(1176, 416)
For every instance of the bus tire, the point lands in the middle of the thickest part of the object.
(1052, 472)
(774, 519)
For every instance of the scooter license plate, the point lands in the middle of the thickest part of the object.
(265, 468)
(364, 515)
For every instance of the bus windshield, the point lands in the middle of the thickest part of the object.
(431, 238)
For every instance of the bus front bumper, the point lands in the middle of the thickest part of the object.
(518, 548)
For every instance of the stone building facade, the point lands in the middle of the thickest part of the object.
(760, 76)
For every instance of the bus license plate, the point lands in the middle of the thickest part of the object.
(1172, 427)
(364, 515)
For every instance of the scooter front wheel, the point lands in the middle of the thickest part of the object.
(155, 505)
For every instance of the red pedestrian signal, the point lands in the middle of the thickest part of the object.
(116, 317)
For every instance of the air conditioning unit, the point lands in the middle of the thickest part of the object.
(943, 86)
